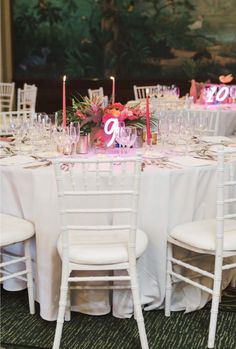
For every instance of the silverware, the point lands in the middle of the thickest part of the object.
(37, 165)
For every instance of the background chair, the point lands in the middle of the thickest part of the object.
(209, 237)
(159, 91)
(6, 96)
(98, 93)
(140, 92)
(206, 120)
(98, 202)
(26, 97)
(14, 230)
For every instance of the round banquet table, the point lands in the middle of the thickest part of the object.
(168, 197)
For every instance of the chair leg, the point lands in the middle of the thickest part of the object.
(68, 307)
(61, 311)
(30, 283)
(168, 280)
(138, 310)
(214, 308)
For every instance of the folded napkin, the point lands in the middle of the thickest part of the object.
(16, 160)
(189, 161)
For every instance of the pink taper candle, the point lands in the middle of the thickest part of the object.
(64, 102)
(113, 89)
(148, 128)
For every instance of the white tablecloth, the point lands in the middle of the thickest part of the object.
(168, 197)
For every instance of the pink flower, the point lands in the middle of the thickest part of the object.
(80, 115)
(94, 107)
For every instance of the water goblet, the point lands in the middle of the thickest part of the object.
(76, 126)
(133, 137)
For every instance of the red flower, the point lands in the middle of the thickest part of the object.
(80, 115)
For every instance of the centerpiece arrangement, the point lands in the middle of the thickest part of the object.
(92, 116)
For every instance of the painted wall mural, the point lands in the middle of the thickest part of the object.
(141, 39)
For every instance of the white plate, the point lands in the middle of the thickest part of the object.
(216, 140)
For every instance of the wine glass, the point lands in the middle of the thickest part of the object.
(70, 139)
(61, 139)
(76, 126)
(18, 131)
(133, 137)
(164, 128)
(202, 125)
(125, 137)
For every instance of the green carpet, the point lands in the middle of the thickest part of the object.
(21, 330)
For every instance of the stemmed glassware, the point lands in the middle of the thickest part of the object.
(123, 136)
(76, 127)
(19, 131)
(70, 139)
(60, 138)
(133, 136)
(164, 128)
(202, 125)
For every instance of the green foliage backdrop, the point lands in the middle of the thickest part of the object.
(129, 39)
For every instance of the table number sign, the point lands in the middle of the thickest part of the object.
(111, 128)
(218, 94)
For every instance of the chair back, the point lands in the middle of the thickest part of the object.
(6, 118)
(159, 91)
(98, 200)
(226, 193)
(140, 92)
(26, 97)
(210, 117)
(6, 96)
(99, 93)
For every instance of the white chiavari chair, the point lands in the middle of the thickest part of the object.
(213, 237)
(16, 230)
(26, 97)
(212, 118)
(98, 203)
(159, 91)
(140, 92)
(98, 94)
(6, 96)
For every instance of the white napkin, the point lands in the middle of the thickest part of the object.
(189, 161)
(16, 160)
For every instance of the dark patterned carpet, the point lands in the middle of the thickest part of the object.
(20, 330)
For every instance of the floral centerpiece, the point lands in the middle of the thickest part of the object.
(131, 115)
(92, 115)
(87, 112)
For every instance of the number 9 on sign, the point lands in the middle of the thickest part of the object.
(111, 127)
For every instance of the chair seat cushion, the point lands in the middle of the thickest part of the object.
(14, 229)
(103, 253)
(201, 234)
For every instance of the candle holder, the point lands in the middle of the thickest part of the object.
(83, 144)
